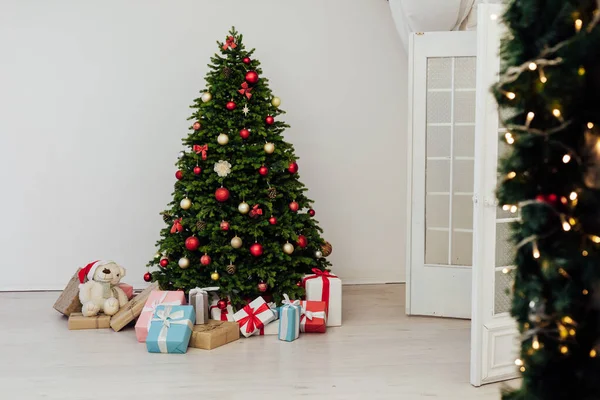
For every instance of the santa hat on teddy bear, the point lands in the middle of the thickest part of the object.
(87, 273)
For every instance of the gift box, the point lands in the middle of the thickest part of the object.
(78, 321)
(324, 286)
(198, 298)
(221, 315)
(289, 320)
(272, 328)
(68, 301)
(132, 309)
(314, 317)
(214, 334)
(254, 316)
(275, 309)
(170, 329)
(156, 298)
(128, 289)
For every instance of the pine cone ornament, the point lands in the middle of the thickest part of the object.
(166, 216)
(272, 192)
(226, 72)
(326, 249)
(230, 269)
(200, 225)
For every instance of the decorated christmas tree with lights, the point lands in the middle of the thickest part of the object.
(548, 97)
(239, 219)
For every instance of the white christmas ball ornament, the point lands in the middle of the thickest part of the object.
(288, 248)
(236, 242)
(180, 155)
(184, 262)
(318, 254)
(243, 208)
(185, 203)
(223, 139)
(206, 97)
(269, 148)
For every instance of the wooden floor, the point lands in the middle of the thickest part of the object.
(379, 353)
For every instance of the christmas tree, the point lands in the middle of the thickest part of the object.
(548, 97)
(238, 219)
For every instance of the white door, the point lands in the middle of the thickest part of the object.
(494, 335)
(441, 156)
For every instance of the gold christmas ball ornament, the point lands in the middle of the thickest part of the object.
(326, 249)
(185, 203)
(230, 269)
(206, 97)
(236, 242)
(276, 102)
(184, 262)
(243, 208)
(214, 276)
(223, 139)
(288, 248)
(269, 148)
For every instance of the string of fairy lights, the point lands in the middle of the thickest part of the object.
(564, 328)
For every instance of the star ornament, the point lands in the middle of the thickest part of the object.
(245, 110)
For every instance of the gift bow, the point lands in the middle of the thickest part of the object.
(324, 275)
(286, 301)
(229, 42)
(160, 302)
(168, 317)
(251, 320)
(310, 315)
(203, 290)
(245, 90)
(201, 149)
(177, 227)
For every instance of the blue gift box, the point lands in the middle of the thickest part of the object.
(289, 320)
(170, 329)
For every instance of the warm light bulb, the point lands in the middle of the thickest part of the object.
(556, 112)
(530, 116)
(585, 291)
(590, 125)
(513, 209)
(518, 362)
(593, 353)
(536, 251)
(581, 71)
(572, 221)
(506, 207)
(595, 239)
(565, 225)
(509, 138)
(564, 349)
(543, 78)
(511, 174)
(494, 17)
(567, 320)
(566, 158)
(585, 254)
(522, 369)
(510, 95)
(505, 270)
(578, 25)
(573, 196)
(572, 332)
(535, 344)
(532, 66)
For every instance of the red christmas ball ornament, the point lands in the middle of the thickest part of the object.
(205, 259)
(262, 287)
(294, 206)
(224, 226)
(299, 284)
(222, 194)
(293, 167)
(273, 220)
(196, 125)
(263, 170)
(269, 120)
(197, 170)
(192, 243)
(147, 277)
(164, 262)
(244, 133)
(222, 304)
(179, 174)
(246, 60)
(302, 241)
(230, 105)
(251, 77)
(311, 212)
(256, 250)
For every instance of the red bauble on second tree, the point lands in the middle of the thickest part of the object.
(302, 241)
(294, 206)
(222, 194)
(246, 60)
(251, 77)
(230, 105)
(311, 212)
(222, 304)
(147, 277)
(256, 250)
(262, 287)
(269, 120)
(263, 170)
(179, 175)
(192, 243)
(205, 259)
(164, 262)
(197, 170)
(224, 226)
(293, 168)
(273, 220)
(244, 133)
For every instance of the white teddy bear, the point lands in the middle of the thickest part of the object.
(100, 292)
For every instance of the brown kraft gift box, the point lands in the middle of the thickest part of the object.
(68, 301)
(130, 311)
(214, 334)
(78, 321)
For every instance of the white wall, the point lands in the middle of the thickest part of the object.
(94, 98)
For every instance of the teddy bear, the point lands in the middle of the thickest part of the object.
(100, 292)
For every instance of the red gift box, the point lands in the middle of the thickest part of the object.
(313, 318)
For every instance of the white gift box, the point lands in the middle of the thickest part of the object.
(218, 314)
(254, 316)
(272, 328)
(324, 286)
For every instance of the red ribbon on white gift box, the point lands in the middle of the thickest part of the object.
(324, 275)
(251, 320)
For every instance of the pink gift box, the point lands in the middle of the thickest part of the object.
(157, 297)
(128, 289)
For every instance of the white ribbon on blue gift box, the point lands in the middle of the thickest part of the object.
(289, 320)
(169, 318)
